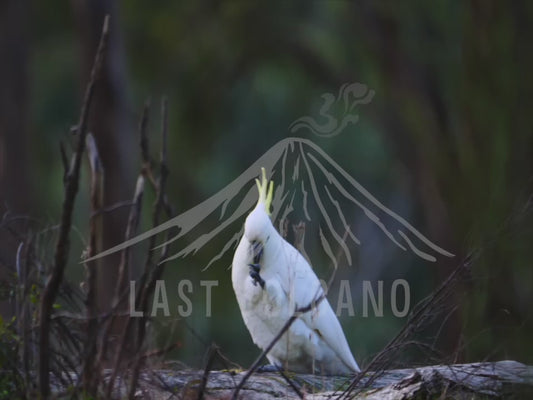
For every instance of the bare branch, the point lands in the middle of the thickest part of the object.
(64, 160)
(153, 275)
(119, 297)
(90, 376)
(133, 223)
(211, 354)
(111, 208)
(51, 288)
(297, 313)
(423, 311)
(131, 229)
(151, 272)
(146, 169)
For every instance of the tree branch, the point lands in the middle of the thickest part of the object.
(90, 378)
(51, 288)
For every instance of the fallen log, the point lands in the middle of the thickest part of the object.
(503, 379)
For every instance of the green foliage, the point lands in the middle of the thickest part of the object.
(10, 379)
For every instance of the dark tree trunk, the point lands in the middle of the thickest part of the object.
(15, 195)
(109, 124)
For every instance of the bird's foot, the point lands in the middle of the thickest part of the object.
(254, 273)
(268, 368)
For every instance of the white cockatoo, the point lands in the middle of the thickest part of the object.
(272, 280)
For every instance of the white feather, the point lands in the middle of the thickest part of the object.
(315, 342)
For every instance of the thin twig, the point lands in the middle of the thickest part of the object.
(159, 352)
(64, 160)
(135, 211)
(133, 223)
(111, 208)
(131, 229)
(90, 375)
(83, 318)
(291, 383)
(150, 275)
(153, 273)
(297, 314)
(146, 168)
(416, 319)
(51, 288)
(22, 307)
(118, 298)
(211, 354)
(147, 161)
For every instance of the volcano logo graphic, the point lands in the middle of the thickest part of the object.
(336, 113)
(310, 185)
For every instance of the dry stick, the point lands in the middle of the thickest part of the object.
(159, 352)
(134, 217)
(77, 317)
(282, 331)
(145, 288)
(64, 160)
(111, 208)
(146, 168)
(133, 221)
(90, 378)
(148, 288)
(291, 383)
(415, 321)
(131, 229)
(29, 381)
(147, 162)
(51, 288)
(162, 201)
(21, 308)
(63, 333)
(160, 187)
(211, 354)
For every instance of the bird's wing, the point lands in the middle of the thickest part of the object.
(296, 277)
(325, 323)
(322, 320)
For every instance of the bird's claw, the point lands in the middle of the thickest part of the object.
(268, 368)
(254, 274)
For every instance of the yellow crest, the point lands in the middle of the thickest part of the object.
(266, 191)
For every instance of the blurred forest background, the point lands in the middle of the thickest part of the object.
(447, 142)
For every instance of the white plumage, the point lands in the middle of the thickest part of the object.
(271, 279)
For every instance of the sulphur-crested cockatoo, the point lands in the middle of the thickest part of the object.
(271, 280)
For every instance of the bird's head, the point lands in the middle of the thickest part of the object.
(258, 225)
